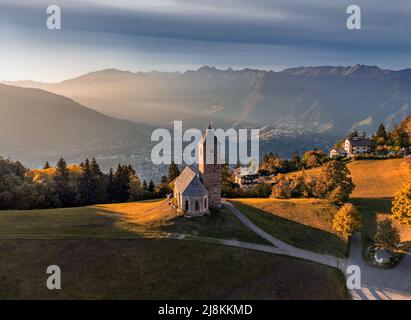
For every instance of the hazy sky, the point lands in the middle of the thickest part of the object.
(170, 35)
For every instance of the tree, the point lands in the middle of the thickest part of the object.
(381, 132)
(151, 186)
(87, 186)
(273, 164)
(173, 172)
(295, 161)
(401, 205)
(62, 169)
(299, 187)
(121, 183)
(144, 185)
(380, 138)
(95, 168)
(313, 158)
(387, 235)
(110, 185)
(334, 182)
(282, 189)
(62, 179)
(400, 138)
(46, 165)
(261, 190)
(347, 220)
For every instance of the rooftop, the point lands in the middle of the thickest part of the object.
(359, 141)
(189, 184)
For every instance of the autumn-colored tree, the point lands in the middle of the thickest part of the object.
(401, 205)
(347, 220)
(282, 189)
(313, 158)
(387, 234)
(400, 137)
(135, 188)
(334, 182)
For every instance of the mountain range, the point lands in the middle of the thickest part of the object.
(292, 102)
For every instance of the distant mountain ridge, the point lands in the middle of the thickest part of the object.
(295, 101)
(36, 124)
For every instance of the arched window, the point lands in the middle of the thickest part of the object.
(186, 206)
(197, 205)
(205, 203)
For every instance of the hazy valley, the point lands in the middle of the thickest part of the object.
(298, 108)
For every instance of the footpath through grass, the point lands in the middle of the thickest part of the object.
(304, 223)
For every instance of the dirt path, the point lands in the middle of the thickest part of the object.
(285, 248)
(377, 284)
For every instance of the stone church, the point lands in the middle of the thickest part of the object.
(196, 193)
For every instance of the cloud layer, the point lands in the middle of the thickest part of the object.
(179, 34)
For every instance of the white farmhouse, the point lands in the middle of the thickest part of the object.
(357, 146)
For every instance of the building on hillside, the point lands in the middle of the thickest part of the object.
(196, 193)
(190, 194)
(244, 178)
(338, 152)
(357, 146)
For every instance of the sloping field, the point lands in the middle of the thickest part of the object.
(304, 223)
(374, 178)
(147, 219)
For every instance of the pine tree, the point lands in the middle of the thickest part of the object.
(95, 168)
(46, 165)
(87, 184)
(380, 138)
(62, 180)
(173, 171)
(151, 186)
(62, 169)
(121, 182)
(144, 186)
(110, 186)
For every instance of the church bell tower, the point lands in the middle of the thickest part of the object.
(210, 166)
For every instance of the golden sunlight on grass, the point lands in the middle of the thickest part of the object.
(373, 178)
(143, 213)
(310, 212)
(145, 219)
(304, 223)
